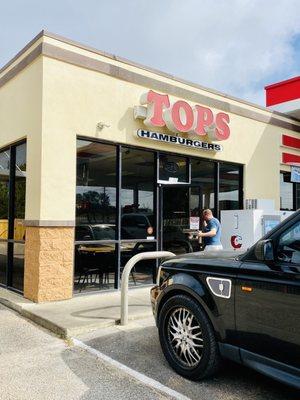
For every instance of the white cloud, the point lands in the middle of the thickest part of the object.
(235, 46)
(232, 46)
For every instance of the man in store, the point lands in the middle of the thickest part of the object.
(211, 233)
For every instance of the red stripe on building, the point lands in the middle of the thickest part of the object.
(283, 91)
(290, 158)
(291, 141)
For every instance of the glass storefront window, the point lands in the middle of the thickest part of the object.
(4, 192)
(95, 232)
(173, 169)
(286, 191)
(121, 195)
(3, 261)
(289, 193)
(12, 165)
(203, 178)
(4, 197)
(176, 219)
(137, 194)
(144, 271)
(19, 217)
(95, 266)
(96, 216)
(20, 192)
(297, 196)
(18, 265)
(96, 188)
(229, 187)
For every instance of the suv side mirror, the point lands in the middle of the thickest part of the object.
(264, 250)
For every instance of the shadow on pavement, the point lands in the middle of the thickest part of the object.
(97, 311)
(140, 350)
(101, 381)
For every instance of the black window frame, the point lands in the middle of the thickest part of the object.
(240, 169)
(294, 192)
(10, 241)
(118, 240)
(157, 188)
(178, 155)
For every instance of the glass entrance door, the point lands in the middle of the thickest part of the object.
(180, 218)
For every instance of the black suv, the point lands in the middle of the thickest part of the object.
(242, 307)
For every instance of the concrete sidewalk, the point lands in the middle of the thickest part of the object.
(80, 314)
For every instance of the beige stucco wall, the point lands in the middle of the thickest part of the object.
(21, 118)
(149, 72)
(50, 102)
(76, 99)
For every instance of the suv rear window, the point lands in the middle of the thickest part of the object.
(103, 233)
(134, 220)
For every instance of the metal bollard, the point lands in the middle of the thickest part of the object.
(150, 255)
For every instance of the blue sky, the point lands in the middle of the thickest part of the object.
(234, 46)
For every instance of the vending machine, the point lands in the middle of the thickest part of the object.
(242, 228)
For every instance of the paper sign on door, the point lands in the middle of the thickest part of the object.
(194, 222)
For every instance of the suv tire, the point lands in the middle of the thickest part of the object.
(187, 338)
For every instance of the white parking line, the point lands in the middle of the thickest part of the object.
(129, 371)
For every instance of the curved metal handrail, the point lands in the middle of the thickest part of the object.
(149, 255)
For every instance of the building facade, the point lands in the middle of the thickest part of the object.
(101, 158)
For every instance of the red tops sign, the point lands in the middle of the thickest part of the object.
(182, 117)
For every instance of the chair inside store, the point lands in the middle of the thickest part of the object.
(93, 268)
(143, 271)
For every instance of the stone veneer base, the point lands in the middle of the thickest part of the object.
(48, 272)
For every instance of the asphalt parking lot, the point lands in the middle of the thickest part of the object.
(37, 365)
(137, 346)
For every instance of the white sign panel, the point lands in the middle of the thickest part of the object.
(295, 174)
(194, 222)
(162, 137)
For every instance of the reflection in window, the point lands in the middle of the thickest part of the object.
(203, 186)
(297, 195)
(3, 261)
(18, 266)
(95, 266)
(173, 169)
(176, 219)
(289, 245)
(229, 187)
(286, 191)
(4, 192)
(144, 272)
(137, 194)
(4, 198)
(95, 232)
(13, 249)
(96, 185)
(19, 217)
(20, 192)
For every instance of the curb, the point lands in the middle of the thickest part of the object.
(55, 328)
(64, 333)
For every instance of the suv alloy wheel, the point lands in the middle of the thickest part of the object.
(187, 338)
